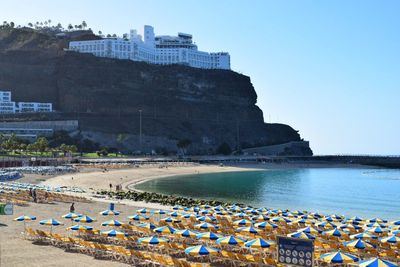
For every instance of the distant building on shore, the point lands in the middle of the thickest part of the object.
(163, 50)
(8, 106)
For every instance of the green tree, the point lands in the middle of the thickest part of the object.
(84, 24)
(42, 145)
(12, 143)
(70, 27)
(30, 24)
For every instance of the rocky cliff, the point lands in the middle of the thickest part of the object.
(111, 98)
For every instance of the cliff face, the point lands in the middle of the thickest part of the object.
(208, 107)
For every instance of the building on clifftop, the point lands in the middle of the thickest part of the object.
(162, 50)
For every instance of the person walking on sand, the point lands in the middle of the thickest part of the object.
(34, 196)
(72, 208)
(110, 186)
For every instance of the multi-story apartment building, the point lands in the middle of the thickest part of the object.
(163, 50)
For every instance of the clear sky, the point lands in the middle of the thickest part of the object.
(330, 69)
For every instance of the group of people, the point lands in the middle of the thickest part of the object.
(33, 194)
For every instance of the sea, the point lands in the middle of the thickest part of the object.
(367, 193)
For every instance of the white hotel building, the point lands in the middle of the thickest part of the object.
(8, 106)
(163, 50)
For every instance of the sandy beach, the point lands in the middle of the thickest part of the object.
(14, 249)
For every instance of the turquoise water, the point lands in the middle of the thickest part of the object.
(362, 192)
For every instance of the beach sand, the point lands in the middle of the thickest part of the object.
(15, 251)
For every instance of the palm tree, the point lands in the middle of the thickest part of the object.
(30, 24)
(70, 27)
(100, 32)
(84, 24)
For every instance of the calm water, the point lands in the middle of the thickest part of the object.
(362, 192)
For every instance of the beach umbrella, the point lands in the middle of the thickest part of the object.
(260, 218)
(259, 243)
(109, 212)
(177, 207)
(152, 240)
(316, 215)
(326, 225)
(204, 212)
(160, 212)
(349, 226)
(376, 224)
(205, 226)
(280, 220)
(147, 226)
(25, 218)
(309, 230)
(51, 222)
(376, 230)
(335, 232)
(222, 212)
(356, 218)
(186, 233)
(395, 232)
(143, 211)
(248, 229)
(240, 215)
(80, 227)
(218, 208)
(288, 214)
(230, 240)
(302, 235)
(298, 212)
(170, 220)
(358, 243)
(379, 220)
(112, 223)
(192, 209)
(113, 233)
(338, 257)
(174, 214)
(307, 217)
(208, 236)
(85, 219)
(376, 262)
(391, 239)
(188, 216)
(266, 225)
(201, 250)
(164, 230)
(395, 222)
(206, 218)
(300, 221)
(334, 217)
(243, 222)
(364, 235)
(71, 215)
(138, 217)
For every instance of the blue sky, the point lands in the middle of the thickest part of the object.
(330, 69)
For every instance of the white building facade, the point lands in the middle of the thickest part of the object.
(163, 50)
(8, 106)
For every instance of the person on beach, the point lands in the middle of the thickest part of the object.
(46, 196)
(72, 208)
(110, 186)
(31, 192)
(34, 196)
